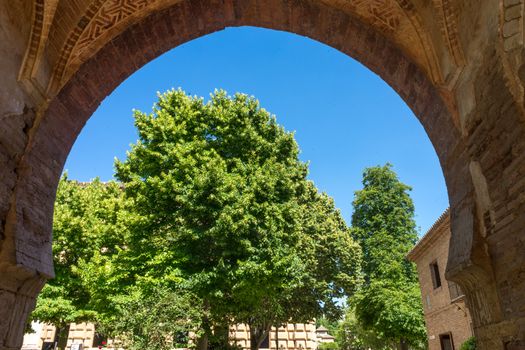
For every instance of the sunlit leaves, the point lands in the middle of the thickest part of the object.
(383, 223)
(85, 231)
(218, 187)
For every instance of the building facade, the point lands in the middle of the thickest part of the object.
(82, 336)
(447, 317)
(293, 336)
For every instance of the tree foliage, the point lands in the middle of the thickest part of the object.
(84, 226)
(383, 223)
(213, 223)
(98, 280)
(221, 197)
(351, 335)
(158, 319)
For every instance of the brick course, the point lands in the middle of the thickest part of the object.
(443, 315)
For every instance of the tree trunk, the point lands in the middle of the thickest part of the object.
(61, 335)
(257, 335)
(403, 345)
(276, 337)
(202, 342)
(221, 337)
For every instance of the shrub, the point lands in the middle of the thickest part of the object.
(329, 346)
(469, 344)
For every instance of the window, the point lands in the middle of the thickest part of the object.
(181, 339)
(446, 341)
(48, 345)
(434, 272)
(100, 340)
(265, 343)
(454, 290)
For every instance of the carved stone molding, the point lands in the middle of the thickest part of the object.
(383, 13)
(103, 19)
(448, 17)
(42, 20)
(101, 22)
(400, 21)
(426, 43)
(67, 48)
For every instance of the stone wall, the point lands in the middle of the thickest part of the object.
(443, 315)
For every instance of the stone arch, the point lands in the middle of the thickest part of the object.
(377, 33)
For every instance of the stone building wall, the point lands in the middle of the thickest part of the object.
(79, 333)
(293, 336)
(444, 308)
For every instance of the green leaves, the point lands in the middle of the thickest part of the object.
(392, 310)
(389, 303)
(55, 308)
(85, 232)
(219, 188)
(213, 222)
(158, 318)
(469, 344)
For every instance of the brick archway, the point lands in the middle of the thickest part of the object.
(465, 90)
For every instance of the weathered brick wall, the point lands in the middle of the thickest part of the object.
(496, 142)
(16, 111)
(441, 314)
(18, 285)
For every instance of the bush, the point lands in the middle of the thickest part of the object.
(469, 344)
(329, 346)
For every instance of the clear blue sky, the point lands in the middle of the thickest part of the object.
(345, 117)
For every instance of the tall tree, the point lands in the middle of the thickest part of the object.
(383, 223)
(220, 195)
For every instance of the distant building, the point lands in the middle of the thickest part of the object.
(447, 318)
(82, 336)
(32, 341)
(323, 336)
(293, 336)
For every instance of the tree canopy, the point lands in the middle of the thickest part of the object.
(221, 197)
(84, 226)
(213, 222)
(383, 223)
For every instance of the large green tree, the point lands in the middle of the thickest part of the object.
(220, 197)
(83, 227)
(98, 278)
(383, 223)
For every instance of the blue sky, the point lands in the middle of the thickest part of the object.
(345, 117)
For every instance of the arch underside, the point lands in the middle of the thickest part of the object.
(78, 51)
